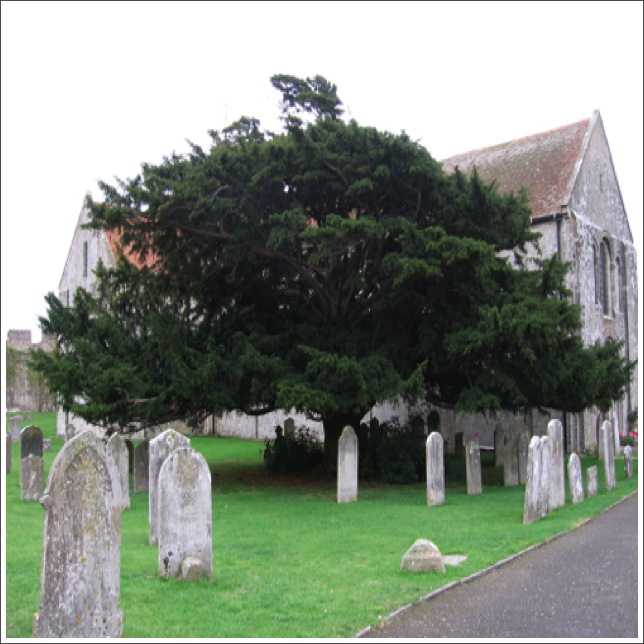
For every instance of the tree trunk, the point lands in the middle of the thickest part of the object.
(333, 427)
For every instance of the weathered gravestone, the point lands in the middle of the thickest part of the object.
(185, 516)
(592, 481)
(544, 483)
(628, 461)
(601, 443)
(160, 448)
(14, 428)
(81, 560)
(435, 470)
(609, 456)
(510, 463)
(473, 468)
(141, 467)
(289, 428)
(423, 556)
(8, 455)
(575, 479)
(535, 495)
(46, 444)
(32, 464)
(348, 466)
(117, 464)
(499, 444)
(523, 443)
(556, 467)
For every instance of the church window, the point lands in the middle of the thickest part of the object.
(604, 281)
(85, 259)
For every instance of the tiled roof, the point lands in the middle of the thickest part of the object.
(543, 163)
(114, 239)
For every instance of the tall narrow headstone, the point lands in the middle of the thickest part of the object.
(458, 445)
(533, 482)
(510, 463)
(544, 483)
(117, 464)
(348, 466)
(81, 559)
(14, 428)
(141, 467)
(8, 456)
(499, 444)
(592, 481)
(160, 448)
(575, 479)
(289, 428)
(628, 461)
(601, 443)
(609, 456)
(523, 444)
(435, 470)
(556, 467)
(32, 464)
(185, 515)
(473, 468)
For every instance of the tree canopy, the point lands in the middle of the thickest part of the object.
(326, 268)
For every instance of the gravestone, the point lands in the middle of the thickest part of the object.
(499, 444)
(8, 456)
(14, 428)
(544, 483)
(473, 468)
(523, 443)
(601, 443)
(81, 559)
(556, 467)
(435, 469)
(289, 428)
(575, 479)
(160, 448)
(592, 481)
(533, 482)
(141, 467)
(423, 556)
(348, 466)
(32, 464)
(510, 463)
(458, 445)
(117, 464)
(628, 461)
(609, 456)
(46, 444)
(185, 515)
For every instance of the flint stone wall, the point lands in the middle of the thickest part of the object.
(160, 448)
(185, 512)
(81, 560)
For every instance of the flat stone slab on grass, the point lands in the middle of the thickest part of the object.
(454, 560)
(423, 556)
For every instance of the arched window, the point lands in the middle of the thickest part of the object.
(618, 285)
(604, 278)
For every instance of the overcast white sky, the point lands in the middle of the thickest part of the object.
(92, 90)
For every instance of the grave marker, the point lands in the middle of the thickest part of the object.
(473, 468)
(575, 479)
(348, 466)
(435, 469)
(592, 481)
(556, 467)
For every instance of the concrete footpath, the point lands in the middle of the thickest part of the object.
(583, 584)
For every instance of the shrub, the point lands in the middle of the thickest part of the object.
(292, 455)
(592, 450)
(631, 439)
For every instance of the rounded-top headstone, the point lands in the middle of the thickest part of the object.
(31, 442)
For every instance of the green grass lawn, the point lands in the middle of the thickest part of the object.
(288, 560)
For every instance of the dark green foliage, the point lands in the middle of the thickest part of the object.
(324, 269)
(391, 453)
(292, 454)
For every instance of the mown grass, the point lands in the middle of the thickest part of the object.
(288, 560)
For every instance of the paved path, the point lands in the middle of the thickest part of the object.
(582, 584)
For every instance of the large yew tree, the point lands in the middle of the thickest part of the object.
(326, 268)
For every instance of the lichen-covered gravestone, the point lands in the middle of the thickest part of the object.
(473, 468)
(556, 467)
(435, 470)
(510, 463)
(81, 559)
(423, 556)
(348, 466)
(609, 456)
(117, 465)
(601, 443)
(544, 483)
(141, 467)
(160, 448)
(531, 507)
(185, 516)
(14, 428)
(32, 465)
(592, 481)
(575, 479)
(628, 461)
(499, 444)
(523, 443)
